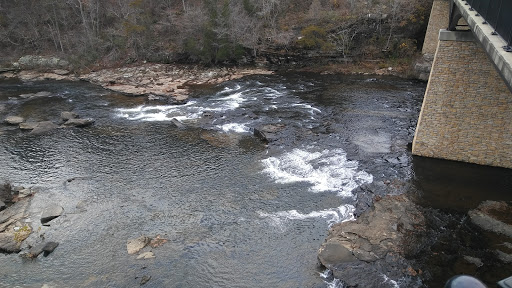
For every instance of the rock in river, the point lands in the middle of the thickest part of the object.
(43, 127)
(10, 238)
(8, 244)
(375, 244)
(66, 115)
(28, 125)
(135, 245)
(14, 120)
(146, 255)
(79, 122)
(46, 247)
(34, 95)
(51, 212)
(496, 217)
(49, 247)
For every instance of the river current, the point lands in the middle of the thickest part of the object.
(236, 212)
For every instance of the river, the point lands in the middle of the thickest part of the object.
(236, 212)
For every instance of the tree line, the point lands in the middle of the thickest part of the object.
(209, 31)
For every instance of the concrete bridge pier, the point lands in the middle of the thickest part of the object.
(467, 109)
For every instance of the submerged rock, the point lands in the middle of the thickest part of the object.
(145, 279)
(178, 123)
(493, 216)
(34, 95)
(79, 122)
(496, 217)
(146, 255)
(261, 135)
(51, 212)
(43, 127)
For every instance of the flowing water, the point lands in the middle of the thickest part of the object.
(236, 212)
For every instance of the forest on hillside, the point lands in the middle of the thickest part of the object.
(210, 31)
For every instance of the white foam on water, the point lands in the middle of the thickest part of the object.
(271, 93)
(330, 280)
(311, 109)
(328, 170)
(231, 102)
(234, 127)
(332, 216)
(161, 112)
(335, 283)
(390, 281)
(228, 90)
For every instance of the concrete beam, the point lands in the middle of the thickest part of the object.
(462, 36)
(492, 44)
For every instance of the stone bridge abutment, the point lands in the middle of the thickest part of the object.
(467, 109)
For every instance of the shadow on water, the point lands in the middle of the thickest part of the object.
(447, 190)
(457, 186)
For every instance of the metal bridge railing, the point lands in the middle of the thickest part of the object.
(498, 14)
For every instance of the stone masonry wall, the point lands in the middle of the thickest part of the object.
(439, 17)
(467, 108)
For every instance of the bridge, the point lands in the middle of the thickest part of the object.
(467, 109)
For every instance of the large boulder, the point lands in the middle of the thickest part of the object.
(34, 61)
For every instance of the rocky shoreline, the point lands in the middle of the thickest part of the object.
(175, 80)
(398, 242)
(17, 228)
(153, 80)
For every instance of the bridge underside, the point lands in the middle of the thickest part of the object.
(494, 34)
(467, 108)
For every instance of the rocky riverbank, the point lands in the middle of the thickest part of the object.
(397, 242)
(174, 80)
(153, 80)
(17, 228)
